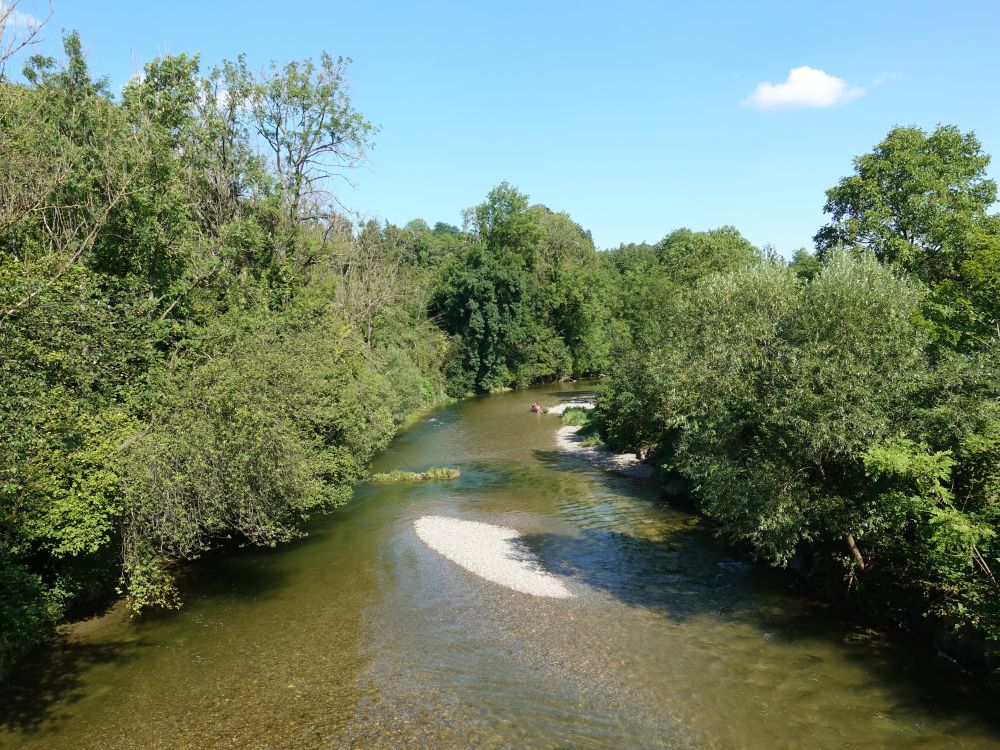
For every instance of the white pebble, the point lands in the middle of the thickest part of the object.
(490, 552)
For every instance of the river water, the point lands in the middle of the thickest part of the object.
(361, 637)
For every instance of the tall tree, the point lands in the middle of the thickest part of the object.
(303, 112)
(920, 202)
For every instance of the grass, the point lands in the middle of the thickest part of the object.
(586, 419)
(433, 474)
(576, 416)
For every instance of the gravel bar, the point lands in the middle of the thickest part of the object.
(598, 455)
(490, 552)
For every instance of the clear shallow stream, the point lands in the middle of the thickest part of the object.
(361, 637)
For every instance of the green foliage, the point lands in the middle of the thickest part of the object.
(812, 422)
(774, 391)
(253, 442)
(194, 345)
(525, 300)
(688, 256)
(575, 416)
(591, 425)
(919, 202)
(197, 346)
(950, 547)
(646, 277)
(487, 307)
(805, 265)
(503, 223)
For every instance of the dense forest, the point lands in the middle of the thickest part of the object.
(198, 346)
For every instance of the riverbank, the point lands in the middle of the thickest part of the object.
(963, 651)
(588, 447)
(560, 409)
(571, 442)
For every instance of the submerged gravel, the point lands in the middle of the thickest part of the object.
(491, 552)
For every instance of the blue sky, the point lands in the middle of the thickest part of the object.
(636, 118)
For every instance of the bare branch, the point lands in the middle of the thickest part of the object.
(18, 30)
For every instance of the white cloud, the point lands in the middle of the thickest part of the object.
(884, 77)
(15, 19)
(805, 87)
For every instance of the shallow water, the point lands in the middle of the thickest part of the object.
(360, 636)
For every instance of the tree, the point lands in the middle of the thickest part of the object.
(71, 209)
(249, 444)
(687, 256)
(649, 277)
(525, 302)
(303, 113)
(571, 289)
(502, 222)
(814, 426)
(919, 202)
(167, 379)
(805, 265)
(485, 305)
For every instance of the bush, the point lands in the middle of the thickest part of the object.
(250, 444)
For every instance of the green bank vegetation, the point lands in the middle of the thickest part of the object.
(198, 347)
(840, 413)
(587, 421)
(433, 474)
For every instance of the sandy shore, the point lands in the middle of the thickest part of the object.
(490, 552)
(597, 455)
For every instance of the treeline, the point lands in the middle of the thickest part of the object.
(197, 347)
(840, 413)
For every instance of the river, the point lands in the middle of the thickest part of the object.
(361, 636)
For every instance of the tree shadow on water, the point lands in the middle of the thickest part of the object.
(688, 575)
(680, 577)
(618, 483)
(53, 676)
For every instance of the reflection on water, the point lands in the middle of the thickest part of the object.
(359, 636)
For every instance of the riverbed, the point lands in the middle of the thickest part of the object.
(363, 636)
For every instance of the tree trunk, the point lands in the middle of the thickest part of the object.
(855, 552)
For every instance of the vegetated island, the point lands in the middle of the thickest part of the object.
(433, 474)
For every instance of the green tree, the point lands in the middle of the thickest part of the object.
(812, 423)
(170, 375)
(647, 277)
(919, 201)
(805, 265)
(503, 223)
(526, 301)
(250, 444)
(303, 112)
